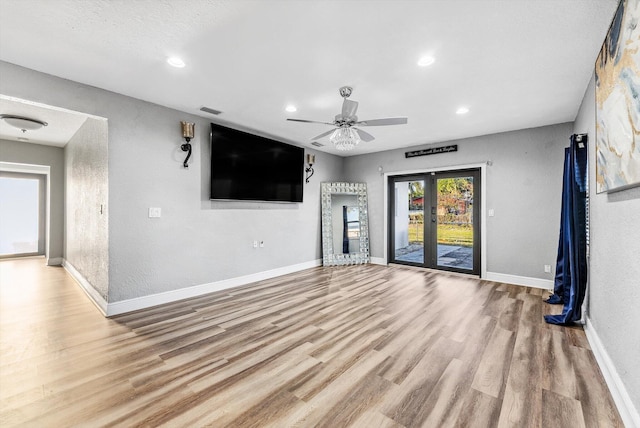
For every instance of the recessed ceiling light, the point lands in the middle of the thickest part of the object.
(176, 62)
(291, 108)
(426, 61)
(462, 110)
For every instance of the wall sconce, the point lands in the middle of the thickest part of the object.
(311, 159)
(188, 129)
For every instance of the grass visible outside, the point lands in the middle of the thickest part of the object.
(448, 234)
(454, 234)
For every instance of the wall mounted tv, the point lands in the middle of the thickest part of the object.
(246, 167)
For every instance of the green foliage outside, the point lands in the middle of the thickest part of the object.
(454, 226)
(455, 187)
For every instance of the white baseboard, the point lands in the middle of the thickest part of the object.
(130, 305)
(54, 261)
(91, 292)
(378, 261)
(546, 284)
(628, 412)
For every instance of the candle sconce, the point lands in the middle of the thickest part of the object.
(187, 133)
(311, 159)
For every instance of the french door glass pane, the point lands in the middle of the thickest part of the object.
(409, 221)
(18, 216)
(454, 214)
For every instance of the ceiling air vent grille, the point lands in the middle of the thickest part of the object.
(315, 143)
(210, 110)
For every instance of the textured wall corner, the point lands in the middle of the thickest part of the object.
(87, 219)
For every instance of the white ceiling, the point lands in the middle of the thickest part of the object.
(514, 63)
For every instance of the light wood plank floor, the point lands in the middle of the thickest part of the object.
(365, 346)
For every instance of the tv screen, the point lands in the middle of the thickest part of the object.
(247, 167)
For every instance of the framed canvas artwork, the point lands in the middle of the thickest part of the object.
(617, 77)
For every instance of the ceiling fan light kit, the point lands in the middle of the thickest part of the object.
(345, 139)
(347, 135)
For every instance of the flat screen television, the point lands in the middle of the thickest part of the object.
(246, 167)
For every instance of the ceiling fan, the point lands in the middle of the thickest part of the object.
(347, 133)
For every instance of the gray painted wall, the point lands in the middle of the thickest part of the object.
(196, 241)
(86, 215)
(37, 154)
(614, 264)
(524, 187)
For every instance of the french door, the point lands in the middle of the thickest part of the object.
(434, 220)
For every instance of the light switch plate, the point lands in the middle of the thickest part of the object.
(491, 212)
(155, 212)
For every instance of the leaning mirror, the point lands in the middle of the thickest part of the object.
(345, 224)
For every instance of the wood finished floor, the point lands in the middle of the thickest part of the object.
(365, 346)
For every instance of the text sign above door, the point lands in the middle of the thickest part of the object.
(432, 151)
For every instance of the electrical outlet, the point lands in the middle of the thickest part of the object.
(491, 212)
(155, 212)
(255, 244)
(547, 268)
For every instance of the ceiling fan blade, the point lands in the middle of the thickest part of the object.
(349, 108)
(310, 121)
(324, 134)
(382, 122)
(364, 136)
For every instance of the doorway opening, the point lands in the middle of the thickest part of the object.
(434, 220)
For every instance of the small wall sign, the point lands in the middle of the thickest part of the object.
(432, 151)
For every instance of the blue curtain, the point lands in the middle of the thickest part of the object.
(570, 282)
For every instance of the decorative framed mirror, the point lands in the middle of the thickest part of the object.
(345, 224)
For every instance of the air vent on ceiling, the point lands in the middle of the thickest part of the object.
(210, 110)
(315, 143)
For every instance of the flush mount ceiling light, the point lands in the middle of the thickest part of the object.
(462, 110)
(174, 61)
(23, 123)
(291, 108)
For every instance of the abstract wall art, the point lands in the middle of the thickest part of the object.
(617, 72)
